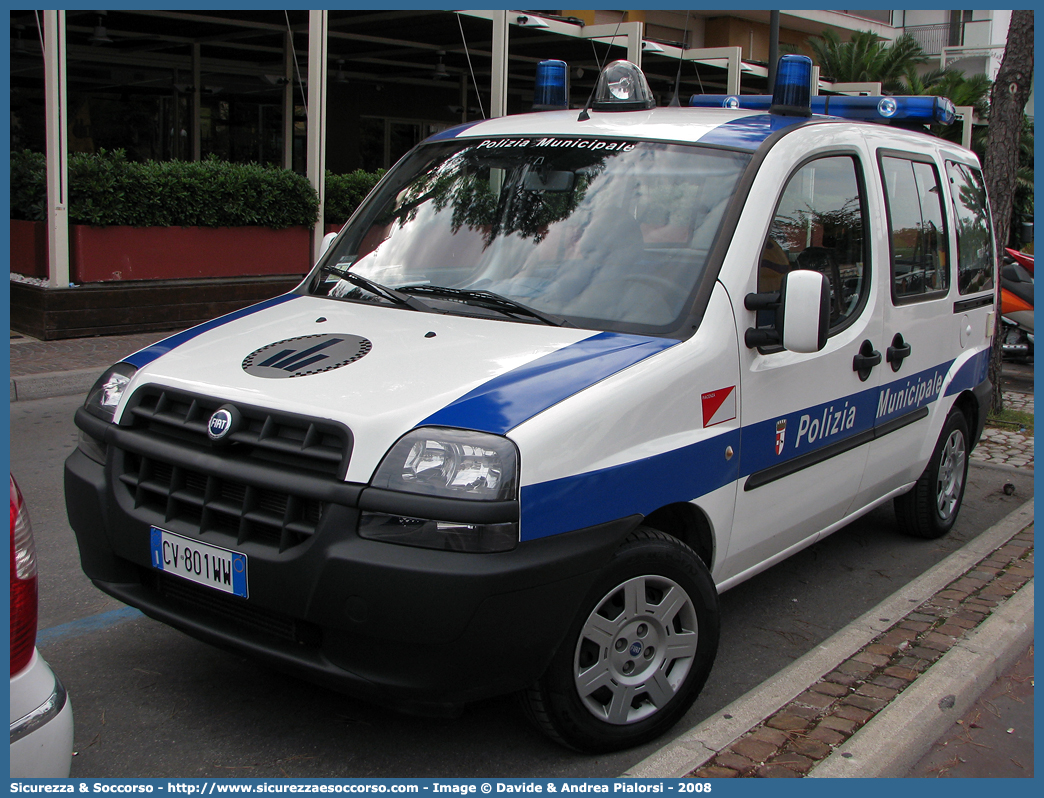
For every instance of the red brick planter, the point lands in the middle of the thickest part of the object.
(103, 254)
(138, 279)
(29, 248)
(100, 254)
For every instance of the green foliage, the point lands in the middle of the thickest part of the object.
(961, 89)
(108, 189)
(345, 192)
(866, 58)
(1012, 420)
(28, 186)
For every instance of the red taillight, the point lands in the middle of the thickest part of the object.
(23, 584)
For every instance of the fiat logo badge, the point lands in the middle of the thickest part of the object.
(220, 424)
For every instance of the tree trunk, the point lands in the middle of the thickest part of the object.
(1011, 90)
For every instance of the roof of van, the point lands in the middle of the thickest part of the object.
(736, 129)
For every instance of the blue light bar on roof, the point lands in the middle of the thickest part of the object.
(551, 91)
(926, 110)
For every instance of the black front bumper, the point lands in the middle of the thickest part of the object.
(416, 628)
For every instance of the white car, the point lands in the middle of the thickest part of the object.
(41, 715)
(561, 380)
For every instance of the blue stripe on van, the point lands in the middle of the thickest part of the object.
(145, 356)
(685, 474)
(972, 373)
(637, 487)
(453, 132)
(517, 395)
(748, 132)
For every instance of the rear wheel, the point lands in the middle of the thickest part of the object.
(930, 509)
(638, 653)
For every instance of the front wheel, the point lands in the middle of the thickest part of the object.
(638, 653)
(930, 509)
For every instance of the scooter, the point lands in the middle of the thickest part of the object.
(1016, 280)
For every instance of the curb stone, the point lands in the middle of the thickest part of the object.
(905, 730)
(44, 386)
(811, 728)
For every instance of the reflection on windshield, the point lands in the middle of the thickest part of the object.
(607, 234)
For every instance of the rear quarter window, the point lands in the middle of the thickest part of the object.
(975, 253)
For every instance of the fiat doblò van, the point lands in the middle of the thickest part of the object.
(561, 380)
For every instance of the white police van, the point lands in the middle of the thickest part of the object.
(560, 381)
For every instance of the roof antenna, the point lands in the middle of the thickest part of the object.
(584, 115)
(474, 82)
(674, 103)
(297, 66)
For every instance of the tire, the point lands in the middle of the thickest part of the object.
(638, 652)
(930, 509)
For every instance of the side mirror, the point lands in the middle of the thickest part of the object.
(802, 313)
(804, 310)
(325, 245)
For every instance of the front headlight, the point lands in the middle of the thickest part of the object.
(108, 391)
(453, 463)
(437, 466)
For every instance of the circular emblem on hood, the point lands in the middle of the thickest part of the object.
(222, 423)
(309, 354)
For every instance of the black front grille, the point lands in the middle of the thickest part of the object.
(174, 472)
(293, 441)
(208, 503)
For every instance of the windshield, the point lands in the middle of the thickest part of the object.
(601, 234)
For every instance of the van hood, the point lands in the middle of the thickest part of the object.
(383, 371)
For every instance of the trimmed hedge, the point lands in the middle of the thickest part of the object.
(107, 189)
(345, 192)
(28, 186)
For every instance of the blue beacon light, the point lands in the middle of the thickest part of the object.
(792, 94)
(551, 92)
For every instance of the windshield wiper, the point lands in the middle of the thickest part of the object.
(383, 291)
(488, 299)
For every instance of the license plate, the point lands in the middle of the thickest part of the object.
(198, 562)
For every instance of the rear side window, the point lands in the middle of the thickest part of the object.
(920, 248)
(974, 234)
(819, 225)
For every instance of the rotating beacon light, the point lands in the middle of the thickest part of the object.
(792, 94)
(551, 91)
(622, 87)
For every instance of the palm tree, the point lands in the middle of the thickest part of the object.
(961, 89)
(866, 58)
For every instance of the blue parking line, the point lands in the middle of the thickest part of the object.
(83, 626)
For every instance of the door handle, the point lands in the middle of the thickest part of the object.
(898, 351)
(865, 360)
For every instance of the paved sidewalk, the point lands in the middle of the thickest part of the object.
(40, 369)
(994, 739)
(871, 700)
(1012, 447)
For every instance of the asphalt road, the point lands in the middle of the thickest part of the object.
(151, 702)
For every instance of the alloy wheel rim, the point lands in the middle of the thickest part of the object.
(635, 649)
(951, 476)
